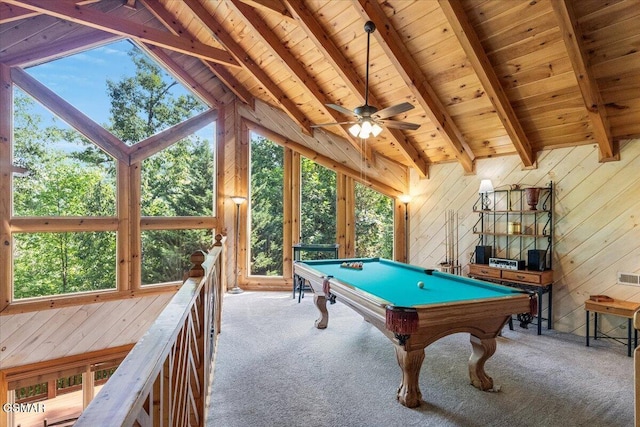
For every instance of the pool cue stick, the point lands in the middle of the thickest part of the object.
(446, 242)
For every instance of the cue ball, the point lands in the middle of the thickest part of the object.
(420, 285)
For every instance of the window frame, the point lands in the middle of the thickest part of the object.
(127, 223)
(345, 207)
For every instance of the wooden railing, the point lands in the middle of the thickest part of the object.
(164, 381)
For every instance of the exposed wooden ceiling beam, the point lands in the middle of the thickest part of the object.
(170, 22)
(201, 13)
(66, 46)
(158, 142)
(131, 4)
(572, 36)
(111, 24)
(271, 6)
(74, 117)
(9, 13)
(347, 72)
(271, 40)
(391, 43)
(470, 42)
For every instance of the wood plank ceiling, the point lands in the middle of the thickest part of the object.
(487, 77)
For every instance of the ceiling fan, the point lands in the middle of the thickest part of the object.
(369, 120)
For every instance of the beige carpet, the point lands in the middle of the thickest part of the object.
(274, 368)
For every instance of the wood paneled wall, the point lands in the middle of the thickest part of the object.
(597, 218)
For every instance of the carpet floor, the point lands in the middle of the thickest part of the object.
(274, 368)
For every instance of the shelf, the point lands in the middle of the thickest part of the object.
(515, 190)
(509, 211)
(513, 211)
(485, 233)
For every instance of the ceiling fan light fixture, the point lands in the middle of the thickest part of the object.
(365, 131)
(367, 116)
(354, 130)
(376, 129)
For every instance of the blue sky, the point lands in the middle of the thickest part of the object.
(81, 78)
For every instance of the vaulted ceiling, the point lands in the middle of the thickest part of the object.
(487, 77)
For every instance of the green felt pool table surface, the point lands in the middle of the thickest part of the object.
(397, 283)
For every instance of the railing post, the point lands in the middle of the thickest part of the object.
(197, 259)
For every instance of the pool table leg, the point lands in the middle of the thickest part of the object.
(483, 349)
(321, 302)
(410, 362)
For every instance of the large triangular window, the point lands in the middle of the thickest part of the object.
(96, 134)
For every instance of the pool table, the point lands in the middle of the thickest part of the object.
(414, 307)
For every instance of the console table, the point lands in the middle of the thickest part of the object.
(539, 282)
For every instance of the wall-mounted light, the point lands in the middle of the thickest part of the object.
(486, 187)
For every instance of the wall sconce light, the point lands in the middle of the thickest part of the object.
(238, 200)
(486, 187)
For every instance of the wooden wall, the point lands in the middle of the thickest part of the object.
(597, 218)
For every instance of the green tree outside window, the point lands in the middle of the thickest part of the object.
(374, 223)
(267, 173)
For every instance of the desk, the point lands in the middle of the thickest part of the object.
(387, 295)
(616, 307)
(298, 248)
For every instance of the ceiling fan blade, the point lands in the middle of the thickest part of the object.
(393, 110)
(342, 110)
(400, 125)
(332, 124)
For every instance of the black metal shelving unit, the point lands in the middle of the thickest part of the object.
(535, 226)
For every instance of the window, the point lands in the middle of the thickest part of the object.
(64, 173)
(129, 93)
(178, 181)
(60, 173)
(317, 203)
(60, 263)
(166, 253)
(266, 207)
(374, 223)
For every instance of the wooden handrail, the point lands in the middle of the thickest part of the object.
(164, 380)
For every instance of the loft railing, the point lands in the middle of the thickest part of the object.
(164, 380)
